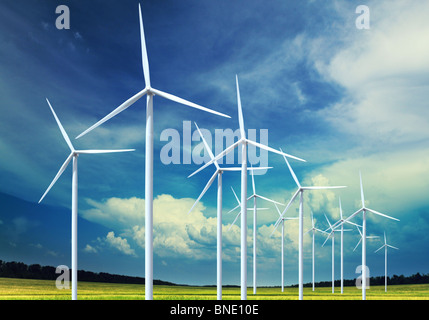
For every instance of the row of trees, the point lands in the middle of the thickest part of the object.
(375, 281)
(36, 271)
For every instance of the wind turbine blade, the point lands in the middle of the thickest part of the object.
(238, 200)
(119, 109)
(379, 248)
(209, 150)
(327, 238)
(209, 183)
(60, 172)
(259, 168)
(361, 190)
(234, 220)
(321, 231)
(385, 242)
(253, 180)
(392, 247)
(284, 211)
(358, 244)
(337, 224)
(240, 111)
(352, 223)
(63, 132)
(278, 210)
(360, 232)
(235, 208)
(186, 102)
(381, 214)
(312, 220)
(352, 216)
(341, 210)
(249, 169)
(266, 199)
(103, 151)
(291, 171)
(330, 225)
(322, 188)
(263, 146)
(145, 61)
(220, 155)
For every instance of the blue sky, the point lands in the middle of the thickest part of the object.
(343, 99)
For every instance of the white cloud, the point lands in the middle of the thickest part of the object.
(90, 249)
(119, 243)
(385, 71)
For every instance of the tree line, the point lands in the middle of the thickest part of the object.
(21, 270)
(416, 278)
(15, 269)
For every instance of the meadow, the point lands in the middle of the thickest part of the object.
(27, 289)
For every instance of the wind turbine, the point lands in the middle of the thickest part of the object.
(150, 93)
(313, 229)
(332, 235)
(300, 191)
(283, 244)
(74, 154)
(243, 141)
(255, 209)
(360, 239)
(364, 210)
(218, 173)
(385, 245)
(335, 225)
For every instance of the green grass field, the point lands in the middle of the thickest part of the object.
(26, 289)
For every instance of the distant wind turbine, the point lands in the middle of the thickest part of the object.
(243, 141)
(313, 229)
(74, 154)
(300, 191)
(364, 210)
(255, 209)
(150, 92)
(283, 246)
(385, 245)
(332, 235)
(360, 239)
(335, 225)
(218, 173)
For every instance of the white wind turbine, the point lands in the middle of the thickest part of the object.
(218, 173)
(313, 229)
(300, 191)
(243, 141)
(74, 154)
(255, 209)
(332, 235)
(364, 210)
(150, 92)
(385, 245)
(360, 239)
(335, 225)
(239, 206)
(283, 244)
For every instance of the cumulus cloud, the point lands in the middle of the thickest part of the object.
(90, 249)
(177, 234)
(119, 243)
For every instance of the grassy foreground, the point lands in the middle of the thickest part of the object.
(25, 289)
